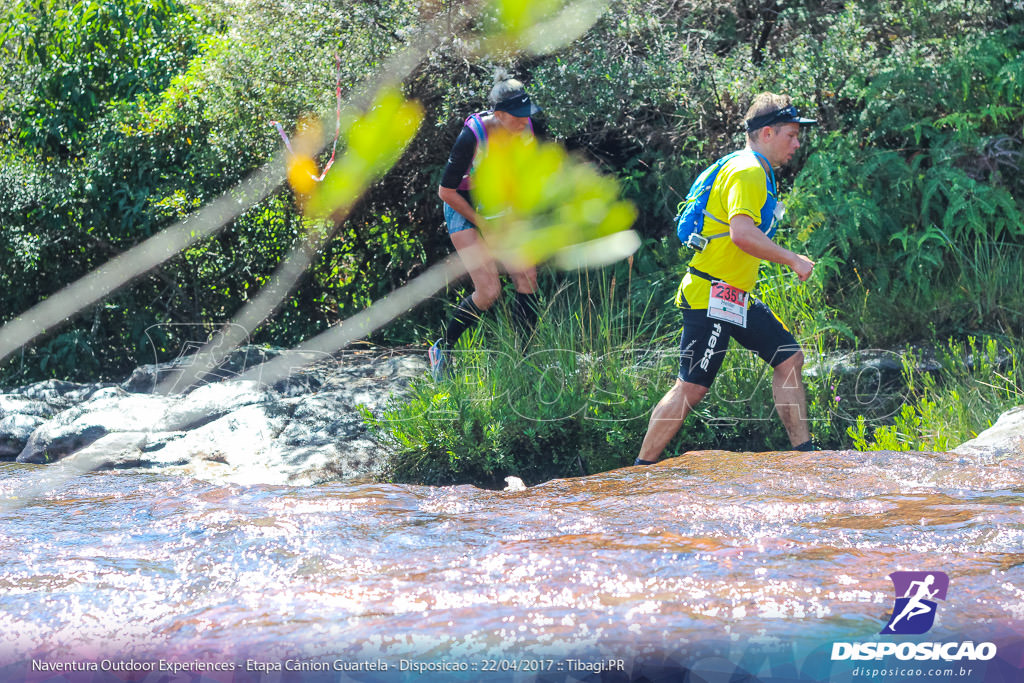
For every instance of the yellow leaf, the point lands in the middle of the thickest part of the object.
(302, 173)
(373, 143)
(538, 201)
(539, 26)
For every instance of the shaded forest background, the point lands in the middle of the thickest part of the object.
(120, 118)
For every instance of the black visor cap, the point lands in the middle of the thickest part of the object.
(787, 114)
(518, 105)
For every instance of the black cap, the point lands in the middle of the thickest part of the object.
(518, 105)
(787, 114)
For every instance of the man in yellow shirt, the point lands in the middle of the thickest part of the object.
(739, 220)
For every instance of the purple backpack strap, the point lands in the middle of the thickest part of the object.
(475, 123)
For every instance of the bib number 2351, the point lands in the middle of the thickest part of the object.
(728, 303)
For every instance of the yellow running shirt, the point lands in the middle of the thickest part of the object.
(739, 188)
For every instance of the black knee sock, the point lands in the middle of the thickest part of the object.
(808, 445)
(524, 313)
(465, 315)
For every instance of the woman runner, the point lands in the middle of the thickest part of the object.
(511, 112)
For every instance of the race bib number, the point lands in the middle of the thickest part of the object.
(728, 303)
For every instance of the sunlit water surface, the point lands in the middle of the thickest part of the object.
(713, 554)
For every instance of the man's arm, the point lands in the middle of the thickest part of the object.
(745, 234)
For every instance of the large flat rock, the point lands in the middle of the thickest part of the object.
(1004, 439)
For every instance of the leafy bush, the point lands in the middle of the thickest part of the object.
(977, 381)
(65, 61)
(915, 211)
(147, 150)
(572, 402)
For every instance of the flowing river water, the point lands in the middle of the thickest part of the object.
(710, 567)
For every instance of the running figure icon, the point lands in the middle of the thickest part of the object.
(915, 606)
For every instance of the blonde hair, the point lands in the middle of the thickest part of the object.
(765, 103)
(504, 87)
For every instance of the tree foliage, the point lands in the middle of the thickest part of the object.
(117, 119)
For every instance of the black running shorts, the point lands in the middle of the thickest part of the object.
(703, 342)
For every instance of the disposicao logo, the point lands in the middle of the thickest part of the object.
(913, 613)
(915, 607)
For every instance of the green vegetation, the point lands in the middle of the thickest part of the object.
(587, 378)
(120, 119)
(974, 378)
(577, 398)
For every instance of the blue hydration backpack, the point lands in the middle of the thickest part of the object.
(691, 211)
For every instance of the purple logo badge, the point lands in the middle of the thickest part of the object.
(914, 610)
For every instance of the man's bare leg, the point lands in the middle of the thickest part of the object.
(790, 399)
(667, 417)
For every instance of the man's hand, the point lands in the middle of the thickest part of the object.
(749, 238)
(802, 266)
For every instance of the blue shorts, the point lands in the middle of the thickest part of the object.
(455, 220)
(703, 342)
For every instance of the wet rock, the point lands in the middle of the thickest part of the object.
(514, 484)
(1002, 440)
(114, 410)
(15, 431)
(307, 372)
(110, 409)
(304, 428)
(55, 391)
(210, 402)
(298, 384)
(14, 404)
(241, 437)
(327, 434)
(886, 364)
(146, 378)
(112, 451)
(44, 446)
(20, 415)
(295, 440)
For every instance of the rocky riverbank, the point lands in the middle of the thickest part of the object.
(303, 429)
